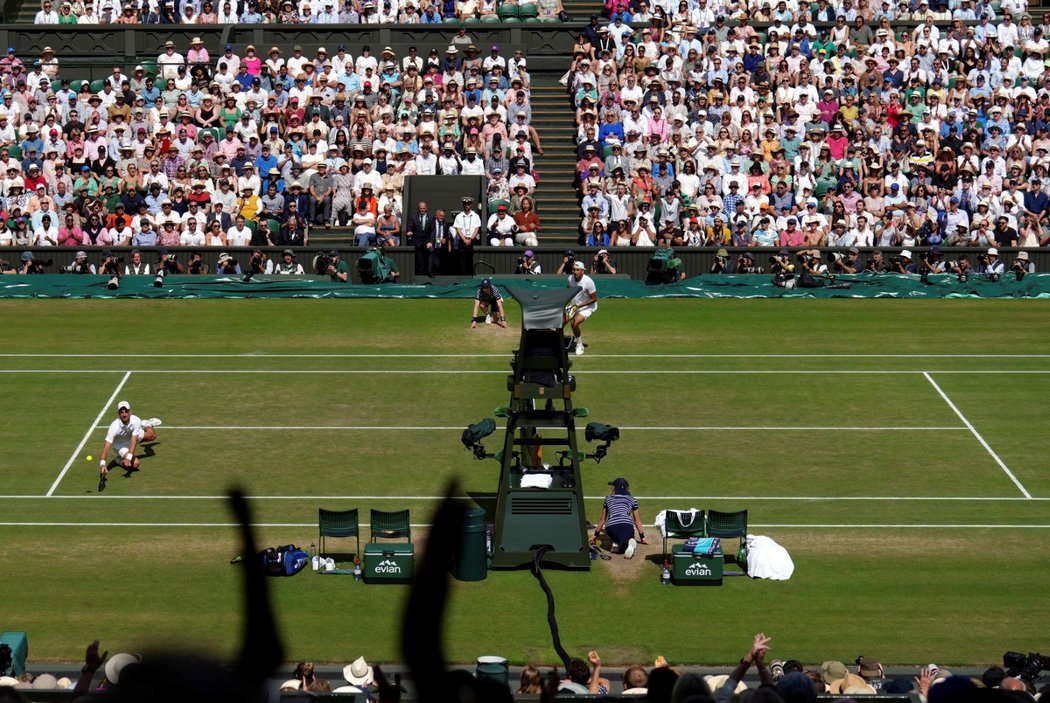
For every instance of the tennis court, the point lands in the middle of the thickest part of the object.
(899, 466)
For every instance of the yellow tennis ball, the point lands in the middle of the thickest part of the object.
(90, 458)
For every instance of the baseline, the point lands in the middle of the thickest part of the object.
(29, 355)
(661, 428)
(810, 499)
(809, 526)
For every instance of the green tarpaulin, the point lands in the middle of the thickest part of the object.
(705, 286)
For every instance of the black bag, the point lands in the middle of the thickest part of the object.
(805, 280)
(564, 16)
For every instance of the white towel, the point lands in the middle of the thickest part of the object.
(768, 560)
(536, 481)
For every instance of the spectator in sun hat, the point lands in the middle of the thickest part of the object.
(619, 519)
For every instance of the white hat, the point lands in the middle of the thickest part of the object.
(45, 681)
(347, 689)
(8, 681)
(992, 251)
(117, 662)
(906, 253)
(359, 673)
(717, 682)
(578, 265)
(293, 684)
(123, 405)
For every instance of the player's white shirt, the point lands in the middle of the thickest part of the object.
(119, 434)
(583, 297)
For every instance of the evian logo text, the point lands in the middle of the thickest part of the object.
(698, 569)
(387, 566)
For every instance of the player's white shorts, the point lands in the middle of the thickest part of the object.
(123, 449)
(587, 311)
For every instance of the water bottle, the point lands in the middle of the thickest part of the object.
(665, 575)
(488, 542)
(357, 569)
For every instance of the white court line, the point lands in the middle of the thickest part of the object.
(811, 526)
(87, 435)
(622, 371)
(977, 434)
(808, 499)
(262, 355)
(457, 428)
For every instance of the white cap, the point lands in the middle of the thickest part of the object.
(123, 405)
(992, 251)
(578, 265)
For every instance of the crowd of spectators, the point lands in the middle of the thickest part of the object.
(295, 11)
(791, 124)
(240, 150)
(757, 674)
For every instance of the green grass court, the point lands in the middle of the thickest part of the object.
(896, 448)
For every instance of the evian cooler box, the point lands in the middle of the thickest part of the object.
(388, 563)
(688, 569)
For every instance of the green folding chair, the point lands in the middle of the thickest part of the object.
(76, 85)
(389, 525)
(528, 11)
(727, 526)
(98, 85)
(14, 151)
(679, 525)
(338, 523)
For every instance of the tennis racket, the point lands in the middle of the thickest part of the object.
(102, 482)
(570, 312)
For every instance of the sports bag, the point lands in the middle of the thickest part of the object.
(287, 560)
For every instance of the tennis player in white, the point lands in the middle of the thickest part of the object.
(125, 434)
(585, 303)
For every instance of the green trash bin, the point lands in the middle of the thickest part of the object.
(470, 562)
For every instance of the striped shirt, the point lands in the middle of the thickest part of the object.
(620, 509)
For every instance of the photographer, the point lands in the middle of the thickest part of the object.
(566, 262)
(721, 262)
(602, 263)
(227, 266)
(196, 266)
(931, 261)
(745, 263)
(113, 265)
(780, 262)
(501, 228)
(336, 268)
(30, 264)
(849, 262)
(288, 266)
(81, 264)
(811, 263)
(259, 263)
(1022, 265)
(902, 263)
(527, 264)
(991, 264)
(168, 263)
(875, 263)
(960, 267)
